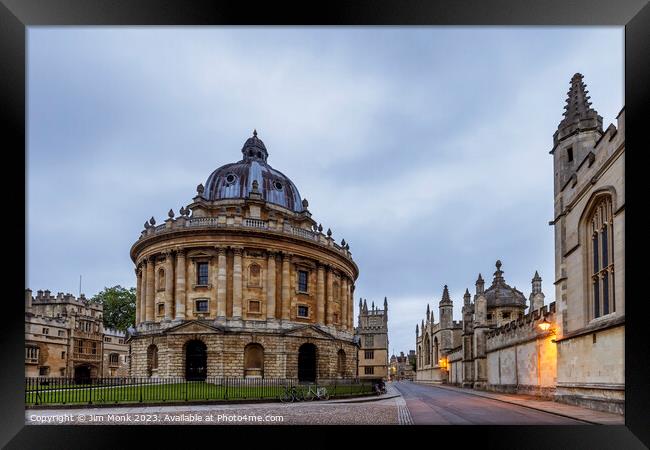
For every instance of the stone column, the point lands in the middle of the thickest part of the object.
(150, 317)
(344, 302)
(143, 293)
(169, 287)
(138, 294)
(270, 286)
(351, 306)
(221, 283)
(320, 295)
(286, 286)
(237, 284)
(179, 295)
(329, 306)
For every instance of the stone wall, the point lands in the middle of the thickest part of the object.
(225, 354)
(522, 358)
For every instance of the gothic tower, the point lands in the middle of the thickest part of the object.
(536, 298)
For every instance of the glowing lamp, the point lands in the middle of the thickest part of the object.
(544, 325)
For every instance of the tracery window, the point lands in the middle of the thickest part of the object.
(600, 226)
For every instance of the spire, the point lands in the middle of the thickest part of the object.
(365, 306)
(385, 304)
(536, 284)
(445, 297)
(428, 313)
(480, 285)
(536, 277)
(466, 297)
(578, 114)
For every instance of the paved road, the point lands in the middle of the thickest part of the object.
(430, 405)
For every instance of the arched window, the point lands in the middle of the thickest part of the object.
(254, 360)
(435, 351)
(161, 279)
(427, 350)
(600, 228)
(152, 359)
(340, 363)
(254, 272)
(419, 357)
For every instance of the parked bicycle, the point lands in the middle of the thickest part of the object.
(291, 394)
(380, 388)
(318, 393)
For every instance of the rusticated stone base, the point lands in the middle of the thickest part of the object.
(225, 353)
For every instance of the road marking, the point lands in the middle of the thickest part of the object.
(403, 413)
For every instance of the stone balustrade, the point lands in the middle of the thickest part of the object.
(259, 224)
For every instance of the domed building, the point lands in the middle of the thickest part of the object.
(243, 283)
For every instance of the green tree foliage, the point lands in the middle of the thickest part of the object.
(119, 306)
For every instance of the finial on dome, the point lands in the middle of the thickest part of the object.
(152, 221)
(254, 132)
(498, 264)
(171, 214)
(305, 203)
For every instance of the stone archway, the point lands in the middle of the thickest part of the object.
(307, 362)
(82, 374)
(196, 361)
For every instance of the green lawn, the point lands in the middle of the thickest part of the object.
(173, 392)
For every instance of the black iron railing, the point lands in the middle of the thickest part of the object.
(62, 391)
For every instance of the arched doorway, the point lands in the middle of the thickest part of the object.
(82, 374)
(196, 361)
(307, 362)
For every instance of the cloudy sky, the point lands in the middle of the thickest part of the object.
(426, 148)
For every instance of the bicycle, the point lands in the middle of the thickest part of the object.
(291, 394)
(320, 393)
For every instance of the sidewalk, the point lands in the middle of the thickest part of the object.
(549, 406)
(391, 392)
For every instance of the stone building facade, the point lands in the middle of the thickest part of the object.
(65, 337)
(372, 335)
(243, 283)
(589, 222)
(456, 350)
(573, 349)
(401, 367)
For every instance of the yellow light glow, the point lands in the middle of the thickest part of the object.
(544, 325)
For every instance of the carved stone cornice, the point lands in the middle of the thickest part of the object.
(220, 250)
(238, 250)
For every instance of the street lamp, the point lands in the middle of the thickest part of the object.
(544, 325)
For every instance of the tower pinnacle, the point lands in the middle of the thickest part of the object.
(578, 114)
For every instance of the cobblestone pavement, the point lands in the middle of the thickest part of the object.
(380, 412)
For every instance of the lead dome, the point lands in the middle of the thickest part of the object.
(235, 180)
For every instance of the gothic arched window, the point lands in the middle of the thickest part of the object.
(600, 228)
(427, 350)
(435, 351)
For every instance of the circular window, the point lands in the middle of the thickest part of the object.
(277, 185)
(230, 178)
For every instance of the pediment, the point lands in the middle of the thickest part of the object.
(309, 331)
(194, 327)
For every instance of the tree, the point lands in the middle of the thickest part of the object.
(119, 306)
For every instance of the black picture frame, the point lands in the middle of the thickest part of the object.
(16, 15)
